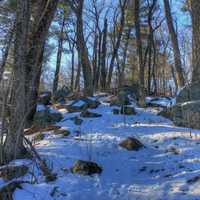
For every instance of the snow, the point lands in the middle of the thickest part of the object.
(154, 172)
(160, 101)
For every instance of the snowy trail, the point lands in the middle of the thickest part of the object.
(157, 172)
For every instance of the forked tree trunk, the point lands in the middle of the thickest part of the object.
(82, 50)
(117, 45)
(37, 39)
(174, 40)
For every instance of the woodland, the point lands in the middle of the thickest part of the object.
(99, 99)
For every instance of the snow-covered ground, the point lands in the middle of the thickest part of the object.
(157, 172)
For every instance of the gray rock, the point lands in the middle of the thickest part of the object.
(189, 93)
(61, 94)
(131, 144)
(187, 114)
(45, 117)
(86, 168)
(128, 110)
(88, 114)
(83, 103)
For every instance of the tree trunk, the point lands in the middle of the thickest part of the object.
(117, 45)
(14, 147)
(72, 70)
(174, 40)
(59, 56)
(78, 75)
(103, 56)
(195, 4)
(37, 39)
(139, 50)
(83, 52)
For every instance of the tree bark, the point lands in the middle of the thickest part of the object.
(174, 40)
(103, 56)
(42, 20)
(139, 50)
(117, 45)
(82, 49)
(13, 147)
(59, 56)
(195, 5)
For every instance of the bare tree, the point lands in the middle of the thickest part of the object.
(59, 53)
(122, 4)
(174, 40)
(77, 6)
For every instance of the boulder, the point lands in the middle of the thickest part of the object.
(88, 114)
(45, 98)
(83, 103)
(187, 114)
(45, 117)
(114, 101)
(10, 172)
(131, 144)
(128, 110)
(61, 94)
(189, 93)
(131, 91)
(86, 168)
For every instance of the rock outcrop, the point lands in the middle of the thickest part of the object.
(86, 168)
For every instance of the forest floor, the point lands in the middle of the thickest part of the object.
(159, 171)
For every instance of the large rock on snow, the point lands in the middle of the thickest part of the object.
(83, 104)
(124, 110)
(189, 93)
(88, 114)
(86, 168)
(131, 144)
(187, 114)
(61, 94)
(131, 90)
(45, 117)
(128, 110)
(126, 95)
(45, 98)
(10, 172)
